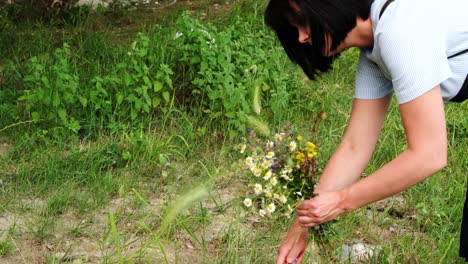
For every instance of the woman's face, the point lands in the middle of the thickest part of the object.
(305, 36)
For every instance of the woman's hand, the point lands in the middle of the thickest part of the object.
(293, 247)
(320, 209)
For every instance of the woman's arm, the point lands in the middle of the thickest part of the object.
(352, 156)
(424, 123)
(344, 167)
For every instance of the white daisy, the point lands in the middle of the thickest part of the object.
(292, 145)
(273, 181)
(249, 161)
(247, 202)
(258, 188)
(257, 172)
(283, 199)
(271, 207)
(267, 175)
(270, 155)
(261, 212)
(270, 144)
(266, 164)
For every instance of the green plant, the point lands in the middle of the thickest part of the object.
(52, 92)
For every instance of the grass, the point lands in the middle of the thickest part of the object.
(164, 190)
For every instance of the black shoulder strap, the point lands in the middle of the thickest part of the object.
(459, 53)
(385, 7)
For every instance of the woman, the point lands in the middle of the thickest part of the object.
(416, 49)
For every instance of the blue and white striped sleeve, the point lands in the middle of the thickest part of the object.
(415, 59)
(370, 81)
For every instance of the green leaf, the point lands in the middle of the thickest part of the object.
(157, 86)
(230, 114)
(83, 101)
(133, 114)
(146, 80)
(56, 100)
(195, 60)
(166, 96)
(162, 159)
(156, 102)
(119, 97)
(62, 113)
(138, 104)
(127, 79)
(74, 126)
(35, 116)
(169, 82)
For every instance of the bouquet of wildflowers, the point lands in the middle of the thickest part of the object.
(280, 171)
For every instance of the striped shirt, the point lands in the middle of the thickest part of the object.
(412, 42)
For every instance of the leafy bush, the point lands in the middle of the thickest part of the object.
(52, 91)
(226, 66)
(133, 87)
(220, 68)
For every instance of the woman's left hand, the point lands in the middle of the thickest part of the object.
(323, 208)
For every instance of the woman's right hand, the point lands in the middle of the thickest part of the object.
(293, 247)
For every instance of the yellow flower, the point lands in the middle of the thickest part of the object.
(311, 155)
(299, 138)
(300, 157)
(268, 194)
(247, 202)
(242, 148)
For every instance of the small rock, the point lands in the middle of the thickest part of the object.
(189, 246)
(358, 252)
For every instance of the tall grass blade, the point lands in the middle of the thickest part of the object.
(184, 202)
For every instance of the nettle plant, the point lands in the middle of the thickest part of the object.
(137, 85)
(51, 91)
(226, 66)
